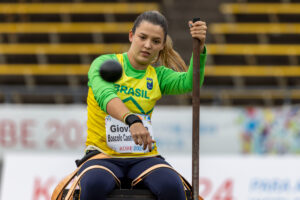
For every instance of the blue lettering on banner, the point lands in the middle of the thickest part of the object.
(205, 129)
(208, 129)
(298, 186)
(269, 185)
(271, 198)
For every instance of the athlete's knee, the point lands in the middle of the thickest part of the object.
(97, 180)
(171, 182)
(166, 184)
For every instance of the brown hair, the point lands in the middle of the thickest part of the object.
(168, 56)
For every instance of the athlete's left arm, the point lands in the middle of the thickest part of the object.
(178, 83)
(172, 82)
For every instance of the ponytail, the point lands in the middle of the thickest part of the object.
(170, 58)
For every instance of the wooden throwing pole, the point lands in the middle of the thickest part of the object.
(196, 115)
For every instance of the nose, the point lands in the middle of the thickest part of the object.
(147, 44)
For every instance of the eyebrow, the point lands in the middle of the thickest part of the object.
(153, 38)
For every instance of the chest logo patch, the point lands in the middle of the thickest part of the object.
(149, 83)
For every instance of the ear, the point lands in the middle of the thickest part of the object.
(130, 35)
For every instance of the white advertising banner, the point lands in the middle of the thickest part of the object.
(42, 128)
(223, 130)
(245, 177)
(33, 177)
(218, 129)
(63, 128)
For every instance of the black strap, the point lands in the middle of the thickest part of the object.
(131, 119)
(88, 155)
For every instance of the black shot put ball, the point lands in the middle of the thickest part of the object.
(111, 71)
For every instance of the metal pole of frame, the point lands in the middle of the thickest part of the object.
(196, 115)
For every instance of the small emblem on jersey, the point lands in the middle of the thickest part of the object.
(149, 83)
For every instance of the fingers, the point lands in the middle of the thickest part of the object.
(141, 136)
(198, 30)
(137, 130)
(197, 24)
(150, 141)
(145, 141)
(140, 140)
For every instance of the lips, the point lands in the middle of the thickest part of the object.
(145, 53)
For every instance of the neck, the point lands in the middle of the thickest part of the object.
(134, 63)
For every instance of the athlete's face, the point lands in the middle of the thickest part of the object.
(146, 43)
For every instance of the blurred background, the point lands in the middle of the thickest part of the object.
(250, 116)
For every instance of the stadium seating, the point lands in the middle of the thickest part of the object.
(47, 46)
(255, 28)
(48, 27)
(67, 8)
(260, 8)
(255, 54)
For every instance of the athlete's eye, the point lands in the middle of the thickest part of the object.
(156, 41)
(142, 37)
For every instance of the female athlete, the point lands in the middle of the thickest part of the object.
(119, 113)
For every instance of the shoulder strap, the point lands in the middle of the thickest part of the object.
(58, 191)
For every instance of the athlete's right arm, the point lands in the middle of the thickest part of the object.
(103, 91)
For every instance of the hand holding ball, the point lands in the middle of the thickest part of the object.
(111, 71)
